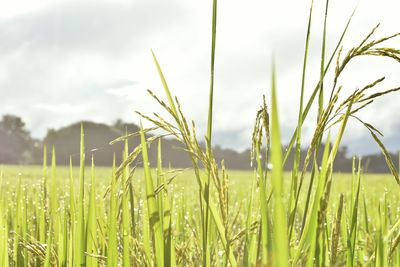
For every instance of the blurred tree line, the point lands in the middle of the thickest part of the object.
(18, 147)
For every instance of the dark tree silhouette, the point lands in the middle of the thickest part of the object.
(17, 147)
(16, 144)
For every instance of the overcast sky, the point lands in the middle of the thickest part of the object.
(62, 61)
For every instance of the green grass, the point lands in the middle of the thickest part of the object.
(240, 182)
(380, 189)
(207, 215)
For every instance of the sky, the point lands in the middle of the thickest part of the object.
(62, 61)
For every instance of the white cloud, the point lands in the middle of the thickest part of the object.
(60, 108)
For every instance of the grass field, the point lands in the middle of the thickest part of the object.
(22, 200)
(240, 182)
(209, 216)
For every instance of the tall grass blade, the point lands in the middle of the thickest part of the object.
(322, 67)
(4, 261)
(206, 252)
(155, 225)
(112, 251)
(49, 245)
(91, 239)
(126, 228)
(80, 241)
(263, 206)
(165, 212)
(352, 235)
(280, 241)
(296, 159)
(316, 90)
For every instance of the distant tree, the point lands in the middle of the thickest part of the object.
(16, 144)
(124, 126)
(18, 147)
(119, 124)
(97, 139)
(97, 142)
(13, 125)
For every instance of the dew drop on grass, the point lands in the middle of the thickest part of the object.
(269, 166)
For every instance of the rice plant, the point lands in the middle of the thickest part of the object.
(138, 215)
